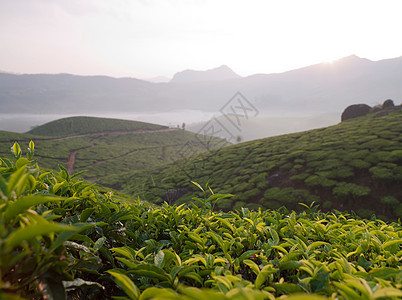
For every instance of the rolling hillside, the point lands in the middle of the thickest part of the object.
(106, 148)
(84, 125)
(355, 165)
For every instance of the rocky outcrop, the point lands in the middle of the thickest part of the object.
(354, 111)
(358, 110)
(388, 104)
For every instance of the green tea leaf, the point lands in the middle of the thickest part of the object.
(99, 243)
(16, 150)
(31, 146)
(125, 283)
(153, 293)
(3, 186)
(247, 254)
(33, 230)
(26, 202)
(391, 243)
(15, 179)
(387, 292)
(86, 213)
(151, 271)
(199, 186)
(253, 266)
(22, 162)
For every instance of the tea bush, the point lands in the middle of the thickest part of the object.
(61, 238)
(344, 190)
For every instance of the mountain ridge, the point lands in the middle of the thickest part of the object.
(318, 88)
(222, 72)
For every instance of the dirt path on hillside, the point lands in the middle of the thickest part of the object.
(71, 161)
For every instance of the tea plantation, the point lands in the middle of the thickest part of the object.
(354, 166)
(60, 238)
(106, 148)
(83, 125)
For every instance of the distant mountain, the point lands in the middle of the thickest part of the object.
(221, 73)
(158, 79)
(316, 89)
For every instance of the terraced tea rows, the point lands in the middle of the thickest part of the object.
(355, 165)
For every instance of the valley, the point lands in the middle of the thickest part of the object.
(200, 150)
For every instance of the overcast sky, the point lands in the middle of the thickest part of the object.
(147, 38)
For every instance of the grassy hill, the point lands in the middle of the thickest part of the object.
(84, 125)
(355, 165)
(106, 155)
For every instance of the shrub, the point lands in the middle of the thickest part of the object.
(251, 193)
(327, 204)
(287, 166)
(299, 161)
(262, 185)
(360, 154)
(398, 211)
(238, 205)
(289, 195)
(378, 143)
(253, 206)
(242, 187)
(329, 164)
(301, 176)
(341, 172)
(316, 155)
(360, 164)
(271, 193)
(271, 204)
(396, 156)
(382, 173)
(262, 177)
(298, 154)
(344, 190)
(224, 204)
(389, 201)
(365, 213)
(315, 180)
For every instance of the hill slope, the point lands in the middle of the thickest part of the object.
(106, 148)
(83, 125)
(355, 165)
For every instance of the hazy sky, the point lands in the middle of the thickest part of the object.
(146, 38)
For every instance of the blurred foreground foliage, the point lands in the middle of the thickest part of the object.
(60, 238)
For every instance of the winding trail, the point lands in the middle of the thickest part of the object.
(71, 161)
